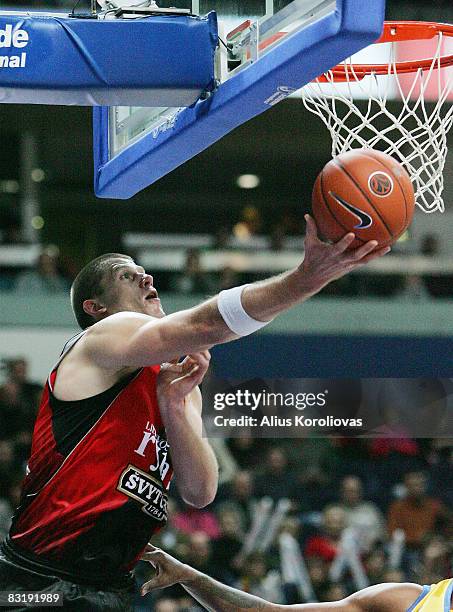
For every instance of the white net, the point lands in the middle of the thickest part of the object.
(415, 134)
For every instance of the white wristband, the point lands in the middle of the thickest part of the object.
(230, 307)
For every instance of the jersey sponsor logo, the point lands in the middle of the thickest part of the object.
(364, 219)
(380, 183)
(161, 447)
(145, 489)
(13, 38)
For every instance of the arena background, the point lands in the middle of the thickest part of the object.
(198, 231)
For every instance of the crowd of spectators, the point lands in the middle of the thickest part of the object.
(376, 487)
(202, 273)
(46, 276)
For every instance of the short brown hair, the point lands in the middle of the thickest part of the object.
(88, 285)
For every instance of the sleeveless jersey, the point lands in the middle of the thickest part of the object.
(434, 598)
(97, 480)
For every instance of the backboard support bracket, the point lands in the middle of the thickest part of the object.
(264, 81)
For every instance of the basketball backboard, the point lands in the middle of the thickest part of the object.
(267, 50)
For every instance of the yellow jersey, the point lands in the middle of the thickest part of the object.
(434, 598)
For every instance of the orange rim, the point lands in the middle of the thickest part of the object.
(396, 31)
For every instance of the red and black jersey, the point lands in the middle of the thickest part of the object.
(97, 479)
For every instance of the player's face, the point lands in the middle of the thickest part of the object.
(130, 288)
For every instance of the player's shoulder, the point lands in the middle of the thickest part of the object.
(388, 597)
(104, 343)
(118, 322)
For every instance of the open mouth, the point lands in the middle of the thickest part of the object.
(152, 295)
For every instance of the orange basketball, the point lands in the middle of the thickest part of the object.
(366, 192)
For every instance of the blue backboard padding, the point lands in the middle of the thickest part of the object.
(101, 62)
(314, 356)
(293, 63)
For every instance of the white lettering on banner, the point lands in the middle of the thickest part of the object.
(13, 61)
(282, 92)
(17, 38)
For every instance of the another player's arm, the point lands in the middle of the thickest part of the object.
(193, 459)
(217, 597)
(134, 340)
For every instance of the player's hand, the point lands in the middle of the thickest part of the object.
(169, 571)
(325, 262)
(176, 380)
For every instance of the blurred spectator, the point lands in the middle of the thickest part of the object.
(246, 450)
(167, 605)
(430, 245)
(438, 285)
(334, 592)
(416, 513)
(363, 516)
(375, 565)
(226, 548)
(228, 279)
(311, 491)
(6, 512)
(193, 279)
(45, 278)
(276, 480)
(28, 392)
(413, 288)
(200, 551)
(222, 239)
(277, 238)
(11, 233)
(171, 538)
(318, 572)
(257, 580)
(250, 223)
(326, 544)
(8, 466)
(436, 560)
(238, 496)
(19, 400)
(441, 470)
(194, 520)
(393, 575)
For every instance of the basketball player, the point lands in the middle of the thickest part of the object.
(391, 597)
(109, 431)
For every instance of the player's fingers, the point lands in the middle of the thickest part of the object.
(312, 230)
(171, 367)
(364, 250)
(375, 254)
(341, 246)
(153, 556)
(150, 548)
(187, 374)
(155, 583)
(202, 359)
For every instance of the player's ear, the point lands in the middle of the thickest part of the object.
(93, 308)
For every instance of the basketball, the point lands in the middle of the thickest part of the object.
(366, 192)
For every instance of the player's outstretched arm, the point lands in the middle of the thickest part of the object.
(134, 340)
(217, 597)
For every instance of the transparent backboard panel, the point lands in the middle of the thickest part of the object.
(248, 29)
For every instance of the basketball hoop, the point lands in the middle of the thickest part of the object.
(416, 135)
